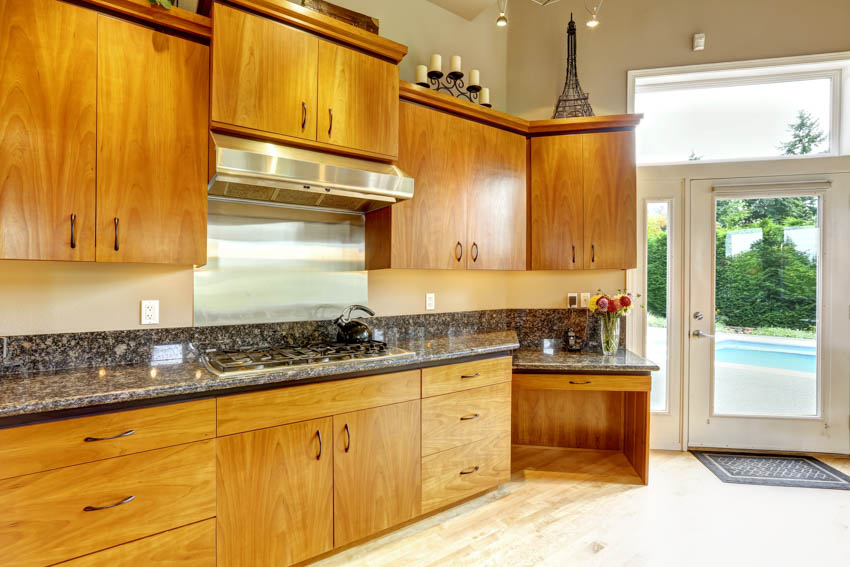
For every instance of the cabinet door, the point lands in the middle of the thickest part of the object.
(377, 470)
(48, 76)
(557, 203)
(275, 495)
(263, 74)
(610, 201)
(358, 100)
(152, 124)
(496, 199)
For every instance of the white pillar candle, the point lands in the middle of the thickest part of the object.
(421, 74)
(484, 96)
(454, 64)
(474, 77)
(436, 63)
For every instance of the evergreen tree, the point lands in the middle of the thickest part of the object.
(693, 156)
(805, 135)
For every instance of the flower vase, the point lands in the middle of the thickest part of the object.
(609, 329)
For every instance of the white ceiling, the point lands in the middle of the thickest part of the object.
(469, 9)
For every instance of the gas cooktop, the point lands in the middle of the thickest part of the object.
(259, 359)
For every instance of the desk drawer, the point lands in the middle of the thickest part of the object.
(440, 380)
(48, 517)
(463, 471)
(464, 417)
(44, 446)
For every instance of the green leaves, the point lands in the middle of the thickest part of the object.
(805, 135)
(162, 3)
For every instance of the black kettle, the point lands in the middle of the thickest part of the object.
(350, 330)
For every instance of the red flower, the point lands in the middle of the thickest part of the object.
(613, 306)
(625, 301)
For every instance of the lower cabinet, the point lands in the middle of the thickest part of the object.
(377, 475)
(275, 495)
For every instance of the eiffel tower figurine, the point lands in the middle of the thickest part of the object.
(573, 101)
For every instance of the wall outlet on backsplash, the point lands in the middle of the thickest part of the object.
(429, 302)
(585, 299)
(150, 312)
(572, 300)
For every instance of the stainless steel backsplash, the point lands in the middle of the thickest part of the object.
(268, 264)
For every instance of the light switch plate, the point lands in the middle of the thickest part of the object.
(429, 302)
(150, 312)
(585, 299)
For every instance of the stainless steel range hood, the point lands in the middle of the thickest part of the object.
(249, 170)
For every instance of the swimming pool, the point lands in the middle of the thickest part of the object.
(802, 358)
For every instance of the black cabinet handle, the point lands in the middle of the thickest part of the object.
(574, 253)
(116, 234)
(470, 471)
(331, 125)
(593, 250)
(303, 115)
(458, 251)
(470, 416)
(347, 438)
(581, 383)
(474, 252)
(96, 508)
(119, 436)
(73, 230)
(319, 435)
(465, 376)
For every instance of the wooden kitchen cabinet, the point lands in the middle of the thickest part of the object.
(377, 470)
(275, 495)
(583, 201)
(47, 130)
(469, 205)
(152, 130)
(264, 74)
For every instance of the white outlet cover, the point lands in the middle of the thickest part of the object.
(429, 302)
(585, 299)
(150, 312)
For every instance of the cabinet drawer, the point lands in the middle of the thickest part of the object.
(35, 448)
(463, 471)
(465, 376)
(48, 517)
(189, 546)
(464, 417)
(244, 412)
(607, 382)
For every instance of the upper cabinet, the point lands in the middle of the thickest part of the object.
(271, 80)
(583, 201)
(469, 205)
(152, 139)
(48, 65)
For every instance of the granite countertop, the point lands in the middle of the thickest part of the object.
(554, 360)
(27, 394)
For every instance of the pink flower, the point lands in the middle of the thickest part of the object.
(602, 304)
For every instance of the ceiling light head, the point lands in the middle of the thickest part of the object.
(592, 22)
(502, 20)
(594, 14)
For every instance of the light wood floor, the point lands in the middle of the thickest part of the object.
(685, 517)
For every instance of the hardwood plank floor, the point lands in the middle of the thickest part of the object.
(685, 517)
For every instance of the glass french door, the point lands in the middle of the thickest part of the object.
(766, 342)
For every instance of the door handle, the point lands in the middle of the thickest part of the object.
(458, 251)
(73, 230)
(116, 234)
(574, 253)
(347, 438)
(593, 252)
(319, 435)
(331, 125)
(474, 252)
(119, 436)
(702, 335)
(303, 115)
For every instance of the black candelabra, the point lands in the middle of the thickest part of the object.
(454, 85)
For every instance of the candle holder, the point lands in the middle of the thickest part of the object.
(453, 85)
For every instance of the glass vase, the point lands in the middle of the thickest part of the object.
(609, 330)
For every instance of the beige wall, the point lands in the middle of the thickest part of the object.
(427, 28)
(656, 33)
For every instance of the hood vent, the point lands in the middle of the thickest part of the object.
(248, 170)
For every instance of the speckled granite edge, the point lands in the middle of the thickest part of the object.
(560, 360)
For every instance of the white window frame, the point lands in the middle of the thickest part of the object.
(832, 66)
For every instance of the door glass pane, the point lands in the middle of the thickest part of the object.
(657, 284)
(766, 302)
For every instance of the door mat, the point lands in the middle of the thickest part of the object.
(773, 470)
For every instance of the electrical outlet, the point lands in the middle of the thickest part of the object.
(585, 299)
(150, 312)
(429, 302)
(572, 300)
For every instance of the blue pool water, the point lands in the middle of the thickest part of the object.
(802, 358)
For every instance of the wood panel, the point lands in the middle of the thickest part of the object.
(42, 516)
(44, 446)
(586, 466)
(464, 417)
(47, 130)
(427, 231)
(189, 546)
(636, 432)
(496, 199)
(486, 464)
(553, 418)
(264, 74)
(608, 382)
(243, 412)
(557, 203)
(275, 494)
(583, 124)
(439, 380)
(176, 18)
(610, 201)
(152, 132)
(357, 100)
(377, 470)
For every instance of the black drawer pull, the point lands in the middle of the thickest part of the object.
(120, 435)
(96, 508)
(580, 383)
(465, 376)
(470, 471)
(470, 416)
